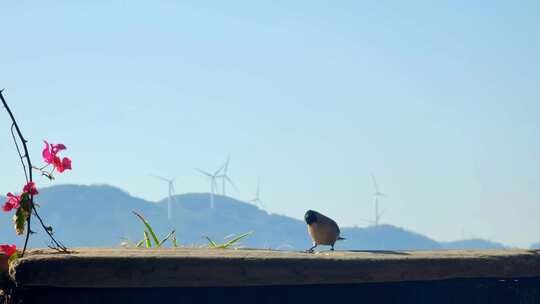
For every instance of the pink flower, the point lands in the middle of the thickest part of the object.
(30, 188)
(65, 164)
(13, 202)
(8, 250)
(50, 157)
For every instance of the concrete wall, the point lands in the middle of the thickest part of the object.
(253, 276)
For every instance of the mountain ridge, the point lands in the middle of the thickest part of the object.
(101, 216)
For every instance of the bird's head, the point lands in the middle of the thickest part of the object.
(310, 217)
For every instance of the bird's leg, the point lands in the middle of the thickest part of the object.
(310, 250)
(332, 248)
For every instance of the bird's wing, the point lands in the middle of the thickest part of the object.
(337, 227)
(329, 221)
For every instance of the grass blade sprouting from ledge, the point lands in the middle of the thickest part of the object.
(169, 236)
(230, 243)
(237, 239)
(147, 240)
(147, 224)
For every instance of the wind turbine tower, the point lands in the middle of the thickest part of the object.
(170, 198)
(225, 178)
(257, 200)
(376, 196)
(213, 182)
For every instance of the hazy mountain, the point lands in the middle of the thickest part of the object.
(472, 243)
(86, 215)
(535, 246)
(101, 215)
(385, 237)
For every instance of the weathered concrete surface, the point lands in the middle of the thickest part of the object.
(158, 268)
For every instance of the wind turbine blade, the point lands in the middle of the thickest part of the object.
(219, 170)
(159, 177)
(375, 183)
(231, 182)
(226, 165)
(203, 172)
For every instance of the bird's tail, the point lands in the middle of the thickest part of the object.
(341, 238)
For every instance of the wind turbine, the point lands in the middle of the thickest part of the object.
(225, 178)
(170, 183)
(257, 200)
(376, 196)
(213, 182)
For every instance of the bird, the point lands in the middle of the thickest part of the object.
(322, 229)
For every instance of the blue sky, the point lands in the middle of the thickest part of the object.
(440, 100)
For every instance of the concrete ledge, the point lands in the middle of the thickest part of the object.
(159, 268)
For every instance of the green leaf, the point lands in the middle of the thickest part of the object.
(25, 196)
(174, 242)
(19, 221)
(147, 240)
(171, 234)
(212, 243)
(25, 201)
(139, 243)
(13, 258)
(147, 224)
(237, 239)
(228, 244)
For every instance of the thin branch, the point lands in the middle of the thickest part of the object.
(21, 157)
(57, 245)
(28, 175)
(21, 137)
(28, 231)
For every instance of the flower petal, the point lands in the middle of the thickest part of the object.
(13, 202)
(8, 250)
(55, 148)
(30, 187)
(66, 163)
(47, 155)
(7, 207)
(57, 163)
